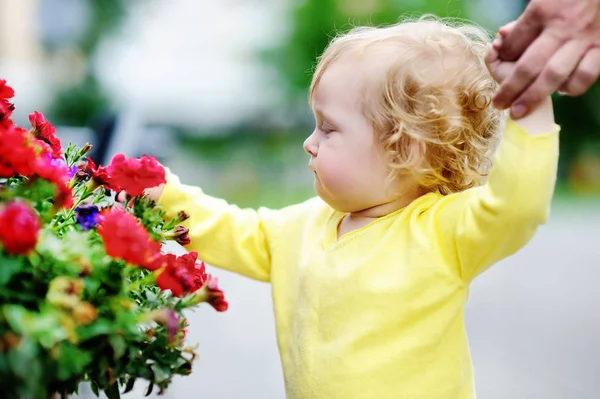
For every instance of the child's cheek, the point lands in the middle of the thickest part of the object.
(336, 177)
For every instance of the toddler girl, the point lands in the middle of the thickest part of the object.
(370, 278)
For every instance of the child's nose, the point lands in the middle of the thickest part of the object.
(310, 145)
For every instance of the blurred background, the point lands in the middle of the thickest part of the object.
(217, 91)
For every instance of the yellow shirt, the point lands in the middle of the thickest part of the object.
(378, 313)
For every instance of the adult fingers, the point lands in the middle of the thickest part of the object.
(527, 69)
(520, 34)
(585, 75)
(555, 73)
(505, 30)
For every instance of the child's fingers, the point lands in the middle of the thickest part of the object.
(497, 42)
(121, 196)
(491, 54)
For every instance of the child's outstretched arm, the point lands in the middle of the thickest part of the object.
(224, 235)
(478, 227)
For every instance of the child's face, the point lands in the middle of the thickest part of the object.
(350, 171)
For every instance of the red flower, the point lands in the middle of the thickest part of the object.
(22, 154)
(167, 279)
(18, 154)
(200, 275)
(195, 269)
(6, 92)
(19, 228)
(100, 175)
(125, 238)
(59, 175)
(6, 108)
(181, 275)
(135, 175)
(44, 131)
(214, 294)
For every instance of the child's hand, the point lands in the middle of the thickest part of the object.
(499, 69)
(541, 119)
(153, 193)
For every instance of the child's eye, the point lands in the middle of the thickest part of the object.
(326, 129)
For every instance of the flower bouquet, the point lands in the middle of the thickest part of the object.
(85, 293)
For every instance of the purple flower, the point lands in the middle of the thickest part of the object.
(87, 216)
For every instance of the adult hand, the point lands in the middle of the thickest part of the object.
(556, 44)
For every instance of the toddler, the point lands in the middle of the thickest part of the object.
(370, 278)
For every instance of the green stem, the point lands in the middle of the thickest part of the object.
(69, 214)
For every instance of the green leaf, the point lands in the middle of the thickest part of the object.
(161, 373)
(112, 392)
(16, 317)
(71, 361)
(99, 327)
(119, 345)
(180, 361)
(149, 390)
(95, 388)
(10, 267)
(47, 329)
(130, 385)
(150, 296)
(26, 363)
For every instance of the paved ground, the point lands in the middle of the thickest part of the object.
(533, 321)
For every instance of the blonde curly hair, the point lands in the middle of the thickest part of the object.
(431, 107)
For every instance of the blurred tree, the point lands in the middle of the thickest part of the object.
(580, 123)
(315, 22)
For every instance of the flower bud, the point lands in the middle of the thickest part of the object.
(182, 216)
(87, 147)
(211, 293)
(80, 175)
(179, 234)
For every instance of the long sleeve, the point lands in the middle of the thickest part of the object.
(223, 235)
(478, 227)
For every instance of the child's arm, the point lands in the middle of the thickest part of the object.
(481, 226)
(224, 235)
